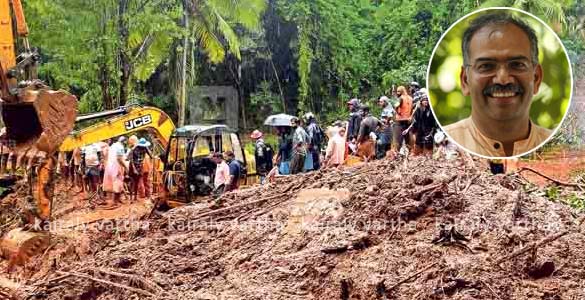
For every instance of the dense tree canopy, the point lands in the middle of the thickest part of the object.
(293, 55)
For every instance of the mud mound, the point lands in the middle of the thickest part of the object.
(416, 229)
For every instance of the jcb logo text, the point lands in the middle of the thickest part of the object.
(138, 122)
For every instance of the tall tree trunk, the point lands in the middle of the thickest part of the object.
(103, 72)
(241, 100)
(123, 56)
(277, 80)
(183, 89)
(235, 68)
(105, 85)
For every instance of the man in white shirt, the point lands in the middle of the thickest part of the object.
(222, 174)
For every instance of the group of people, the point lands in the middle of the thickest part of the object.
(299, 148)
(406, 126)
(228, 172)
(108, 169)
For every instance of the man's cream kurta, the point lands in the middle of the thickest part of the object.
(466, 134)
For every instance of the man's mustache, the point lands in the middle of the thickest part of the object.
(514, 88)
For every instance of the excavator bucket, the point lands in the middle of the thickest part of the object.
(41, 118)
(36, 122)
(19, 245)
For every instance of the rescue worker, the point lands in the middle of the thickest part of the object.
(368, 127)
(386, 106)
(316, 136)
(92, 168)
(448, 150)
(336, 149)
(299, 141)
(115, 171)
(285, 149)
(235, 171)
(425, 125)
(136, 158)
(222, 175)
(63, 165)
(414, 91)
(76, 160)
(263, 155)
(403, 118)
(384, 135)
(355, 119)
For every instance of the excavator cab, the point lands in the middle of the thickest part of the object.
(189, 170)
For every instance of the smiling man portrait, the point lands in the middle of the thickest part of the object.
(500, 74)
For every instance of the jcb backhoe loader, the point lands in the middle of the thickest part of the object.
(124, 120)
(37, 120)
(184, 172)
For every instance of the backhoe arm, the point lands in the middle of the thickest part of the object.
(129, 120)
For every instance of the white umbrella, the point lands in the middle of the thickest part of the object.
(279, 120)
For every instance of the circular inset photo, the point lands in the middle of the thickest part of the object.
(499, 82)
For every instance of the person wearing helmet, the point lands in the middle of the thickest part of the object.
(418, 96)
(316, 137)
(355, 119)
(263, 155)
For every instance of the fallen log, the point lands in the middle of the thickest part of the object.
(550, 178)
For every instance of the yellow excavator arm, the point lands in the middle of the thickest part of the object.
(36, 119)
(126, 120)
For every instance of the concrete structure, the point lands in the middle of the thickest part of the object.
(214, 105)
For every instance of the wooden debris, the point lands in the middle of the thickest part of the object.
(534, 245)
(106, 282)
(412, 276)
(246, 252)
(550, 178)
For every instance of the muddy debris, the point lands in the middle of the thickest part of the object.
(414, 229)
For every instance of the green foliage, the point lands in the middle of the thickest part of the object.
(264, 102)
(305, 58)
(265, 98)
(575, 201)
(340, 49)
(360, 48)
(552, 193)
(78, 39)
(213, 22)
(150, 38)
(550, 10)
